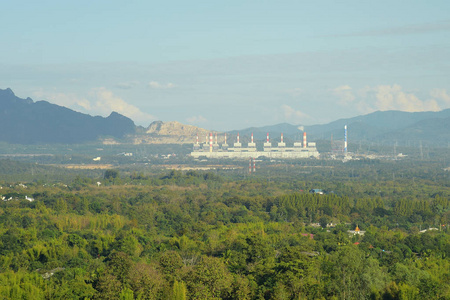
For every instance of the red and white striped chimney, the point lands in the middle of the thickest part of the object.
(210, 142)
(281, 137)
(197, 138)
(267, 137)
(225, 138)
(252, 137)
(238, 138)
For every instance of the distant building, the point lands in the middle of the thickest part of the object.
(429, 229)
(125, 154)
(316, 191)
(239, 151)
(357, 231)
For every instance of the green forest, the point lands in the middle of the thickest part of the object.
(135, 233)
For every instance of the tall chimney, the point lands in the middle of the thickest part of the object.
(304, 139)
(252, 137)
(267, 137)
(210, 142)
(281, 137)
(345, 139)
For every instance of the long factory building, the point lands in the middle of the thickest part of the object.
(214, 150)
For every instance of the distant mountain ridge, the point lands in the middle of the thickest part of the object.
(383, 127)
(390, 127)
(27, 122)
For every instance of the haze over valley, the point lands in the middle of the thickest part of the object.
(224, 150)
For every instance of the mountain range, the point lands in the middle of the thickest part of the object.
(381, 127)
(27, 122)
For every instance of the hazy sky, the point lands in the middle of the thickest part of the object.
(226, 65)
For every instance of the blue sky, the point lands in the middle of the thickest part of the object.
(226, 65)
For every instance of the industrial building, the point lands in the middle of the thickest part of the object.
(212, 149)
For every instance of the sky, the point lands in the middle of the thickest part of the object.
(227, 65)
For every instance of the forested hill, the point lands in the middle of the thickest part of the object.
(202, 235)
(381, 127)
(27, 122)
(388, 127)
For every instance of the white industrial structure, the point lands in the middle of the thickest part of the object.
(345, 139)
(211, 150)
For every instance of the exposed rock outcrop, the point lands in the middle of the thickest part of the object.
(171, 133)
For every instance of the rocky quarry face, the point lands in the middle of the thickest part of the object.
(171, 133)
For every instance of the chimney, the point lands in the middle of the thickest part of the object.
(345, 139)
(210, 142)
(304, 139)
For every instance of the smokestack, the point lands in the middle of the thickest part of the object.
(345, 139)
(252, 137)
(210, 142)
(225, 138)
(238, 138)
(267, 137)
(197, 138)
(281, 137)
(304, 139)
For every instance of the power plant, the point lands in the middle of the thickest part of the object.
(214, 150)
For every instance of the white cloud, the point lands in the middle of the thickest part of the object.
(394, 98)
(67, 100)
(160, 86)
(345, 94)
(384, 97)
(106, 101)
(441, 94)
(98, 101)
(292, 115)
(197, 119)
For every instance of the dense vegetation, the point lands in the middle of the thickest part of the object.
(225, 235)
